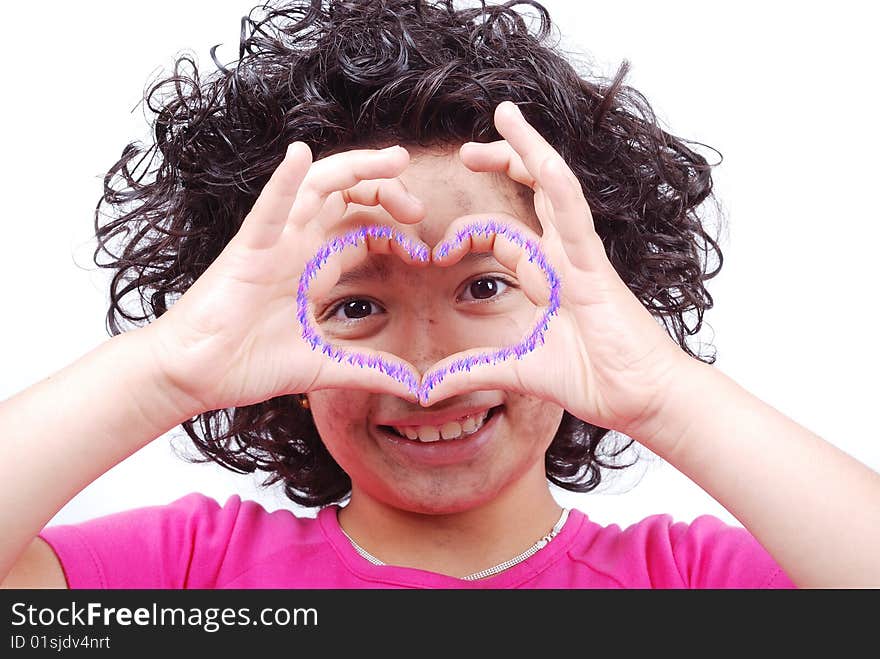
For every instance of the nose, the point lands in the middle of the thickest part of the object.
(427, 337)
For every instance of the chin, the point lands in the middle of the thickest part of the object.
(439, 497)
(450, 507)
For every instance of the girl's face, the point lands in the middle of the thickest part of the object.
(423, 314)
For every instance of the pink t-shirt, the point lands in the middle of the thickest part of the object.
(194, 542)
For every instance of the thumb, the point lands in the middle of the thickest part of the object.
(371, 370)
(472, 370)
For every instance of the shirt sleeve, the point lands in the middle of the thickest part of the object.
(178, 545)
(711, 554)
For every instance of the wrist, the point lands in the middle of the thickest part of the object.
(688, 386)
(165, 404)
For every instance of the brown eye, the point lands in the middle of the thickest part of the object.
(486, 287)
(353, 309)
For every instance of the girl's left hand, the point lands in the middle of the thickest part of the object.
(605, 358)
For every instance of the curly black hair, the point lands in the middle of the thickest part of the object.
(371, 73)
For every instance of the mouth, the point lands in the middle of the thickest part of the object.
(469, 428)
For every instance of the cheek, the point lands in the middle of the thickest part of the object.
(509, 328)
(340, 417)
(533, 422)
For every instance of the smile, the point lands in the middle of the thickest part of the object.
(452, 430)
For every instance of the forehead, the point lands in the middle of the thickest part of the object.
(380, 267)
(449, 190)
(440, 171)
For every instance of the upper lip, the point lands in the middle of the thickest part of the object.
(436, 418)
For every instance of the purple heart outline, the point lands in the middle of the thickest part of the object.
(420, 253)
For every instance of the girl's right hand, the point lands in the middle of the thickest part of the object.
(233, 339)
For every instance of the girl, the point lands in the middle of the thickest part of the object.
(445, 486)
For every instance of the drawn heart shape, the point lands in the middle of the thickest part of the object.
(421, 387)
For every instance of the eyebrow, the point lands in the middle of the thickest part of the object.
(378, 269)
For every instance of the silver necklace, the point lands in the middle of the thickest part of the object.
(488, 572)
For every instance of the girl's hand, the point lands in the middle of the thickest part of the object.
(233, 338)
(605, 358)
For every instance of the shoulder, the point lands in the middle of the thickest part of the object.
(247, 523)
(658, 552)
(195, 516)
(191, 542)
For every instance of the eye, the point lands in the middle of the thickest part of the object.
(352, 309)
(486, 288)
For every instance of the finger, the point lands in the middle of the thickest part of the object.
(497, 156)
(391, 194)
(513, 244)
(268, 215)
(411, 250)
(574, 225)
(351, 248)
(379, 245)
(512, 253)
(395, 199)
(341, 171)
(366, 369)
(467, 371)
(388, 193)
(571, 213)
(459, 241)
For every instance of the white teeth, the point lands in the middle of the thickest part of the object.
(428, 433)
(448, 431)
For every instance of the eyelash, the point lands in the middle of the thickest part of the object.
(339, 305)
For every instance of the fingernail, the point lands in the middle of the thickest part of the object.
(391, 148)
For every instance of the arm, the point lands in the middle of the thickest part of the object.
(607, 361)
(229, 341)
(63, 432)
(812, 506)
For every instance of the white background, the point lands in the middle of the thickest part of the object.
(787, 92)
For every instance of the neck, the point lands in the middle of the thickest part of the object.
(459, 543)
